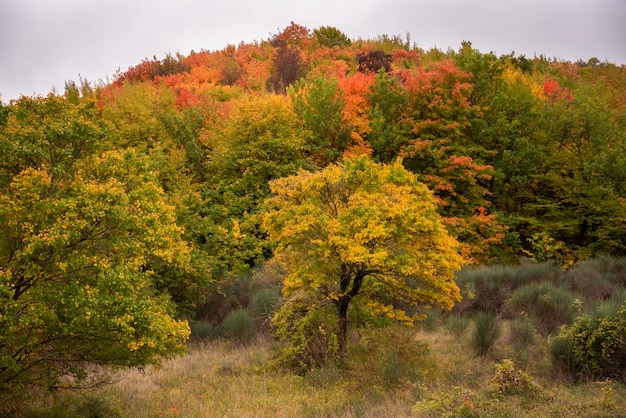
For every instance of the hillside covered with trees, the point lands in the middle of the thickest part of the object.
(191, 185)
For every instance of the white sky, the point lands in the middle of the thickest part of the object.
(44, 43)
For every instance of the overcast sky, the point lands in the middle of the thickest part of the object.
(44, 43)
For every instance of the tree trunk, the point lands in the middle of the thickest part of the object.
(342, 326)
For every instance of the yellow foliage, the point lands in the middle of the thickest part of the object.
(368, 220)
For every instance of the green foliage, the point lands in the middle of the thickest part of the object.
(592, 347)
(489, 287)
(511, 381)
(597, 279)
(48, 133)
(329, 36)
(391, 356)
(319, 102)
(485, 333)
(522, 331)
(202, 329)
(309, 333)
(238, 325)
(456, 324)
(265, 302)
(550, 307)
(390, 128)
(262, 140)
(432, 318)
(75, 278)
(458, 403)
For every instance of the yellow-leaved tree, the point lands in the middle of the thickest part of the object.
(362, 233)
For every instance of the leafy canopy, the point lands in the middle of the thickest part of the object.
(76, 287)
(363, 231)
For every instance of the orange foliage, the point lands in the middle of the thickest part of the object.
(355, 112)
(402, 59)
(555, 93)
(293, 35)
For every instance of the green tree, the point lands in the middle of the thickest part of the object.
(49, 132)
(319, 102)
(390, 126)
(586, 208)
(261, 140)
(362, 233)
(329, 36)
(76, 287)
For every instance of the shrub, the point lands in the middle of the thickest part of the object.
(329, 36)
(264, 302)
(456, 324)
(511, 381)
(522, 331)
(592, 347)
(431, 320)
(390, 356)
(308, 333)
(233, 292)
(238, 325)
(486, 332)
(548, 305)
(488, 288)
(613, 305)
(203, 329)
(597, 278)
(562, 355)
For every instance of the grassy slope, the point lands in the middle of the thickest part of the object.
(219, 380)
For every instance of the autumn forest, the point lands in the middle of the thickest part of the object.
(304, 187)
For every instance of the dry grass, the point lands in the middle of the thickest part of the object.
(219, 379)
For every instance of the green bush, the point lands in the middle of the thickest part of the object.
(202, 329)
(232, 292)
(309, 336)
(389, 357)
(597, 278)
(487, 288)
(549, 306)
(431, 320)
(592, 347)
(486, 332)
(611, 306)
(511, 381)
(238, 325)
(562, 355)
(522, 331)
(264, 303)
(456, 325)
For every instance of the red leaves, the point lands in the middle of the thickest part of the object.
(554, 92)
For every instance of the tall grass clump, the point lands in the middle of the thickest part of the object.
(202, 329)
(389, 357)
(264, 303)
(238, 326)
(550, 307)
(456, 324)
(522, 330)
(612, 305)
(487, 288)
(486, 332)
(597, 279)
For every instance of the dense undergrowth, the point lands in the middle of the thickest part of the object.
(511, 348)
